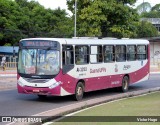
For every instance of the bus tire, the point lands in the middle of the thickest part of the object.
(125, 84)
(79, 91)
(42, 97)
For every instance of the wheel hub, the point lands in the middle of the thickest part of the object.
(79, 91)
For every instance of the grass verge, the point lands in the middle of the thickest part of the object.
(141, 107)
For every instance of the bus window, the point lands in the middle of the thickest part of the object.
(131, 52)
(141, 52)
(120, 53)
(109, 53)
(67, 55)
(96, 54)
(81, 55)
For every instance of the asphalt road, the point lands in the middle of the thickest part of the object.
(14, 104)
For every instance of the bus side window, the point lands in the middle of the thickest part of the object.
(109, 55)
(120, 53)
(81, 54)
(67, 55)
(131, 52)
(141, 52)
(96, 54)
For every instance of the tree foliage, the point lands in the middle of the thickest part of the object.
(153, 12)
(144, 7)
(146, 29)
(156, 8)
(105, 17)
(21, 19)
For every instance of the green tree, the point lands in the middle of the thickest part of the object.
(63, 25)
(151, 14)
(144, 7)
(156, 8)
(44, 22)
(154, 12)
(122, 21)
(9, 13)
(146, 29)
(105, 17)
(22, 19)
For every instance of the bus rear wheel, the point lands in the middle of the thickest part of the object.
(125, 84)
(79, 91)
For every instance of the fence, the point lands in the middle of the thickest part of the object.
(11, 65)
(11, 62)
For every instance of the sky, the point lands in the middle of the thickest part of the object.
(53, 4)
(152, 2)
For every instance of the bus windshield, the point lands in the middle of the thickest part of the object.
(38, 62)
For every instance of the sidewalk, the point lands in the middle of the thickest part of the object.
(8, 72)
(8, 79)
(154, 69)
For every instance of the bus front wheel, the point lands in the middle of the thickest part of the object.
(79, 91)
(125, 84)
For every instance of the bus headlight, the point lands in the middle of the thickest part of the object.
(55, 85)
(20, 83)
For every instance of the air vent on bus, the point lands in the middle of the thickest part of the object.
(31, 80)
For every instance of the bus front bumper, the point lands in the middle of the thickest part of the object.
(39, 91)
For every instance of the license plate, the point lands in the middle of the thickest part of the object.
(35, 90)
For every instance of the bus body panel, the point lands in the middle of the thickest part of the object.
(68, 83)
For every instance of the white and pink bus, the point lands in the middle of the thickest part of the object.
(59, 67)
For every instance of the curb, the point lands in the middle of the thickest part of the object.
(59, 112)
(7, 75)
(154, 72)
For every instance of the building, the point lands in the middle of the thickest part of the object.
(11, 61)
(155, 50)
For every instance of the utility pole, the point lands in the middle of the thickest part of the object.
(143, 22)
(75, 18)
(143, 6)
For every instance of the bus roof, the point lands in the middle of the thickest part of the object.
(93, 41)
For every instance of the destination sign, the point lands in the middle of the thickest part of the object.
(38, 43)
